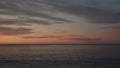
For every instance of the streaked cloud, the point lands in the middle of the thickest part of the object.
(41, 37)
(12, 22)
(27, 21)
(75, 37)
(85, 39)
(10, 31)
(66, 37)
(101, 13)
(113, 29)
(28, 9)
(93, 14)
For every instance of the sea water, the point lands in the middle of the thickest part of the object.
(59, 56)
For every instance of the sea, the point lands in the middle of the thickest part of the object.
(60, 56)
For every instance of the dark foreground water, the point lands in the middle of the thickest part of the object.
(59, 56)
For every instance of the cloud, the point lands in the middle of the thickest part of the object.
(45, 22)
(12, 22)
(85, 39)
(52, 36)
(10, 31)
(113, 29)
(94, 11)
(93, 14)
(28, 9)
(26, 21)
(41, 37)
(72, 35)
(75, 37)
(66, 37)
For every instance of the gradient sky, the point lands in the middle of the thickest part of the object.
(59, 21)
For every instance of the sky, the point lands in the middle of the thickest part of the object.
(59, 21)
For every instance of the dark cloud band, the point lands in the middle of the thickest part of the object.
(9, 31)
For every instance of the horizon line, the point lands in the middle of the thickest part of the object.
(66, 44)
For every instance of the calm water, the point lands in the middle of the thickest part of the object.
(59, 56)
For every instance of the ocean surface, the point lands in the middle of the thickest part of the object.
(59, 56)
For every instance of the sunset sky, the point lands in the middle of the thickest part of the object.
(59, 21)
